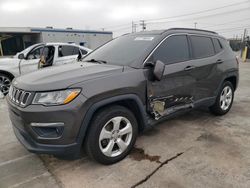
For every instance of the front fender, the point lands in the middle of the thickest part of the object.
(89, 114)
(9, 71)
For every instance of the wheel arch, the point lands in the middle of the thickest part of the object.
(10, 75)
(130, 101)
(233, 80)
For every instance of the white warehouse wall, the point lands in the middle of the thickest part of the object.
(90, 40)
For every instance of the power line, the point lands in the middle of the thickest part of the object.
(117, 26)
(200, 12)
(205, 16)
(189, 14)
(233, 28)
(235, 21)
(122, 28)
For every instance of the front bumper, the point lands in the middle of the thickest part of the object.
(34, 147)
(70, 115)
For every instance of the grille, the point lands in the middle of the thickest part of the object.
(19, 96)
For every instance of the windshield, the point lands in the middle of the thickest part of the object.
(123, 50)
(25, 51)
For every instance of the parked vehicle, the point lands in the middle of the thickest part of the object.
(28, 60)
(129, 84)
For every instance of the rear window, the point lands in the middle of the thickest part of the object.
(217, 45)
(202, 46)
(65, 51)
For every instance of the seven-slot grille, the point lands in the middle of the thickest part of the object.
(19, 96)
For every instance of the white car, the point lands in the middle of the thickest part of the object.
(38, 56)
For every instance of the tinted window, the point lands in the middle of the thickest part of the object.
(65, 51)
(202, 46)
(76, 51)
(173, 49)
(83, 51)
(217, 45)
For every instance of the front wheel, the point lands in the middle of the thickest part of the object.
(224, 99)
(112, 134)
(5, 82)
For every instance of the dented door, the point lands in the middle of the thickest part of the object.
(176, 90)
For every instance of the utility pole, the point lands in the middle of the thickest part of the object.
(243, 41)
(1, 49)
(134, 27)
(143, 24)
(244, 35)
(195, 24)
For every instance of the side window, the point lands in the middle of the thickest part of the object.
(173, 49)
(35, 53)
(202, 46)
(217, 45)
(76, 51)
(84, 52)
(65, 51)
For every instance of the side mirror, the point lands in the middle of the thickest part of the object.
(159, 70)
(21, 56)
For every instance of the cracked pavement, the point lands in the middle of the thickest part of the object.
(196, 149)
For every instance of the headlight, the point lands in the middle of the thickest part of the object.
(56, 97)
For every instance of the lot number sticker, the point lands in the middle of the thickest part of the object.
(144, 38)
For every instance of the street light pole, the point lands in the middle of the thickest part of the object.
(195, 24)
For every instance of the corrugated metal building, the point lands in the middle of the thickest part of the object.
(15, 39)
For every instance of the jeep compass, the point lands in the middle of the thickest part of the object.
(125, 86)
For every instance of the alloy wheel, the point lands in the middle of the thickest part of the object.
(226, 98)
(115, 136)
(4, 84)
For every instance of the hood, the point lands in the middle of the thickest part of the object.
(7, 61)
(61, 77)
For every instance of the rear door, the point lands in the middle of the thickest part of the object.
(176, 89)
(66, 54)
(206, 61)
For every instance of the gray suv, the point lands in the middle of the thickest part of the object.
(125, 86)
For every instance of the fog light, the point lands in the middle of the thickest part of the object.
(48, 130)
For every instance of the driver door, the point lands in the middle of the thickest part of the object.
(176, 90)
(30, 63)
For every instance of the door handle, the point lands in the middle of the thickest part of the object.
(190, 67)
(219, 61)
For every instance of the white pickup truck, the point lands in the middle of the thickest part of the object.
(35, 57)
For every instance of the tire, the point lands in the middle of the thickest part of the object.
(218, 108)
(5, 82)
(111, 149)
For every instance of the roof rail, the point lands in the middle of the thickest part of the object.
(191, 29)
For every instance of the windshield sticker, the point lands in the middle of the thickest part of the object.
(144, 38)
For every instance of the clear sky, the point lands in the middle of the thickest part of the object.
(117, 15)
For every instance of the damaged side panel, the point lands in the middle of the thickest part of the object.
(163, 106)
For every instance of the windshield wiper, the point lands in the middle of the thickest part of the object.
(97, 61)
